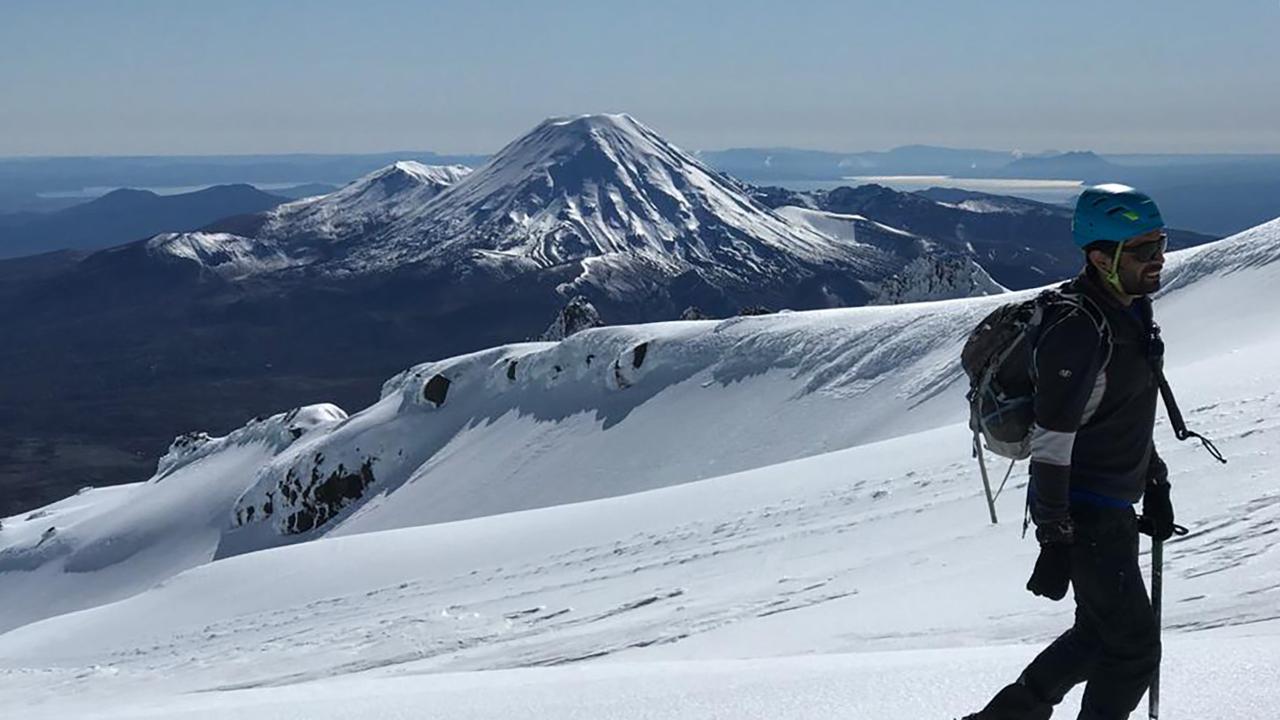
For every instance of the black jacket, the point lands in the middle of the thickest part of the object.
(1095, 405)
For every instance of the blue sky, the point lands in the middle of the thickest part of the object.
(133, 77)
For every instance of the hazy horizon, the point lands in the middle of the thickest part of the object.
(142, 78)
(446, 152)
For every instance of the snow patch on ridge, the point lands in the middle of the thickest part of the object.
(227, 255)
(364, 206)
(840, 225)
(277, 432)
(937, 276)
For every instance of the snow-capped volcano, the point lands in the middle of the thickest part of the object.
(600, 185)
(612, 210)
(599, 204)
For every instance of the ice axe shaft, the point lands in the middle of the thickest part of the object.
(1157, 589)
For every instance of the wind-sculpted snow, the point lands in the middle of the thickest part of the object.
(1256, 248)
(1222, 294)
(276, 432)
(109, 543)
(846, 552)
(515, 422)
(514, 431)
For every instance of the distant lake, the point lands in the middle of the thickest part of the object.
(1058, 192)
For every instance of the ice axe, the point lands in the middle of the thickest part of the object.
(1157, 591)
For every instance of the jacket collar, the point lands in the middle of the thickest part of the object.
(1092, 285)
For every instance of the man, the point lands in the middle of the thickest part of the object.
(1092, 458)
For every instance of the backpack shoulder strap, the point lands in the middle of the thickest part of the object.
(1064, 296)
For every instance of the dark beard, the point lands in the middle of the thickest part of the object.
(1138, 284)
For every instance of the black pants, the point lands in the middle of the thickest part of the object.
(1114, 646)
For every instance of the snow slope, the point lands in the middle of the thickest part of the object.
(108, 543)
(1201, 680)
(540, 424)
(842, 550)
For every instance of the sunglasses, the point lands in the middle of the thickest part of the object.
(1146, 252)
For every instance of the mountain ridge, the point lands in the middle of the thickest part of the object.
(127, 214)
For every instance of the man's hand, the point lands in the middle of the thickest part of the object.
(1157, 471)
(1157, 512)
(1052, 573)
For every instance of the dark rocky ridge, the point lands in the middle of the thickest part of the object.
(124, 215)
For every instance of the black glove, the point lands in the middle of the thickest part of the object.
(1052, 573)
(1157, 513)
(1157, 471)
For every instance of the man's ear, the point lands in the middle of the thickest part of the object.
(1099, 260)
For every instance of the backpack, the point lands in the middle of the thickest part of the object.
(999, 359)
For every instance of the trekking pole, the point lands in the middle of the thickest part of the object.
(1157, 589)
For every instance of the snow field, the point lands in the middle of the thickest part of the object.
(795, 577)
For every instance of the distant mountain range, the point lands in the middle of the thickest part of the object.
(1211, 193)
(124, 215)
(596, 204)
(1215, 194)
(1064, 165)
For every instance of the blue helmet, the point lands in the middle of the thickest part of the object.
(1113, 213)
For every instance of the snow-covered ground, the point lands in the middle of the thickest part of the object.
(769, 517)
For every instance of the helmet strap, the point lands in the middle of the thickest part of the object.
(1113, 275)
